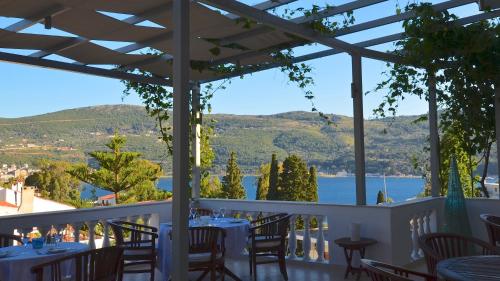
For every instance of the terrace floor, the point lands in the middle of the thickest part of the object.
(297, 271)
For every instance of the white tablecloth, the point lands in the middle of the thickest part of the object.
(236, 240)
(17, 266)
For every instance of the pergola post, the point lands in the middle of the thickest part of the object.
(359, 132)
(180, 202)
(434, 136)
(195, 145)
(497, 124)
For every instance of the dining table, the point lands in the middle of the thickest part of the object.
(16, 261)
(235, 242)
(470, 268)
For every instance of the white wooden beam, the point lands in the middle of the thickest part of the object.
(296, 29)
(180, 202)
(359, 132)
(497, 124)
(52, 64)
(195, 144)
(37, 17)
(266, 5)
(434, 136)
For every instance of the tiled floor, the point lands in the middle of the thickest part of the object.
(269, 272)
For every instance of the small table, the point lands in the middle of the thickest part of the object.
(349, 247)
(473, 268)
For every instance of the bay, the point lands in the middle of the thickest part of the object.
(333, 190)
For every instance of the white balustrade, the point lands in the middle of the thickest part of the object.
(292, 238)
(320, 240)
(306, 243)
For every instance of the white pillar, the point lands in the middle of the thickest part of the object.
(434, 137)
(497, 124)
(180, 202)
(195, 145)
(359, 132)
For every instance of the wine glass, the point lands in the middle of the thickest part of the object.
(192, 213)
(26, 241)
(222, 212)
(216, 213)
(58, 239)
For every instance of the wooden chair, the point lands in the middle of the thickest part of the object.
(493, 228)
(139, 255)
(379, 271)
(7, 240)
(268, 238)
(203, 212)
(441, 246)
(207, 251)
(94, 265)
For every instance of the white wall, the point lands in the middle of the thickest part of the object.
(44, 205)
(9, 195)
(4, 211)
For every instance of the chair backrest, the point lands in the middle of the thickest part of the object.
(441, 246)
(7, 240)
(492, 227)
(133, 235)
(379, 271)
(207, 239)
(93, 265)
(273, 227)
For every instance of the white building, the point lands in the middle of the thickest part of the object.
(23, 200)
(493, 190)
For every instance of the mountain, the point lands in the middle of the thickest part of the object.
(70, 134)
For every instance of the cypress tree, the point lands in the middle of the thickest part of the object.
(273, 192)
(232, 187)
(380, 197)
(263, 182)
(294, 179)
(312, 192)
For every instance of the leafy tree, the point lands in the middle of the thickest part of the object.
(274, 193)
(232, 186)
(294, 179)
(263, 182)
(54, 182)
(312, 190)
(146, 190)
(210, 187)
(119, 171)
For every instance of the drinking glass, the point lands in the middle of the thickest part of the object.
(216, 213)
(26, 241)
(192, 213)
(222, 212)
(58, 239)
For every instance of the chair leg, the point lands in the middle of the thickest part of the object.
(250, 261)
(282, 264)
(152, 278)
(254, 266)
(213, 275)
(222, 272)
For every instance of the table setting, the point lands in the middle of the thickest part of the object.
(16, 261)
(236, 236)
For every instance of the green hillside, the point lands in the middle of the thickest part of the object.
(69, 134)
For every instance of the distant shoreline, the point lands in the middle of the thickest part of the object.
(332, 176)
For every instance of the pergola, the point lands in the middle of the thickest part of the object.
(197, 32)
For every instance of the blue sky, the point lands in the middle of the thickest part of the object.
(28, 90)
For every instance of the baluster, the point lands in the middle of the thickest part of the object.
(105, 234)
(306, 243)
(146, 219)
(91, 225)
(292, 239)
(76, 230)
(421, 231)
(414, 238)
(428, 222)
(320, 240)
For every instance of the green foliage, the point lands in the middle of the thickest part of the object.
(263, 181)
(294, 179)
(54, 183)
(232, 186)
(380, 197)
(210, 187)
(119, 171)
(464, 63)
(312, 186)
(274, 191)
